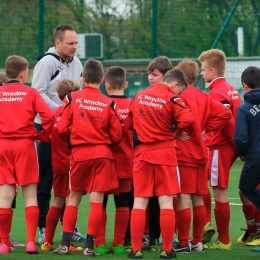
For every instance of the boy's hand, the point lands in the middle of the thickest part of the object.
(183, 136)
(242, 158)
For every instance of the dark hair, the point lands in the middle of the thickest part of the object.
(162, 63)
(60, 30)
(14, 65)
(93, 71)
(116, 77)
(251, 77)
(3, 77)
(175, 75)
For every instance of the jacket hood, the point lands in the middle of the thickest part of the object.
(252, 96)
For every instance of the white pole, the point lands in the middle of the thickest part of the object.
(240, 41)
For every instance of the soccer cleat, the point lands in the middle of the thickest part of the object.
(208, 233)
(183, 249)
(74, 248)
(174, 241)
(247, 237)
(77, 237)
(4, 249)
(145, 242)
(154, 248)
(135, 255)
(118, 250)
(15, 243)
(41, 235)
(255, 242)
(46, 246)
(256, 249)
(101, 249)
(61, 250)
(128, 249)
(198, 247)
(166, 255)
(217, 245)
(90, 252)
(31, 248)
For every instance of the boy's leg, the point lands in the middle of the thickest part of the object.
(167, 221)
(6, 197)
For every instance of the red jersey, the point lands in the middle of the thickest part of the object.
(123, 152)
(19, 104)
(223, 92)
(210, 115)
(60, 152)
(155, 110)
(89, 120)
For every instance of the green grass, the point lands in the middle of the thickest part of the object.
(239, 252)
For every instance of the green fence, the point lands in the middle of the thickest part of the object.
(132, 32)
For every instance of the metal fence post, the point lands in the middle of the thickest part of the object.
(41, 27)
(154, 28)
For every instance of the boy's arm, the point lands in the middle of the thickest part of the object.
(116, 127)
(219, 116)
(183, 117)
(47, 116)
(241, 132)
(65, 120)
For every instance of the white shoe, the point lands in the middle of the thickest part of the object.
(198, 247)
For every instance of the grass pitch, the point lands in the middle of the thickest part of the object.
(239, 252)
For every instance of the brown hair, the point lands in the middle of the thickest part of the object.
(251, 77)
(116, 77)
(162, 63)
(65, 86)
(175, 75)
(190, 69)
(60, 30)
(3, 77)
(214, 58)
(14, 65)
(93, 71)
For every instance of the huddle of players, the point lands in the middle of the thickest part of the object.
(99, 131)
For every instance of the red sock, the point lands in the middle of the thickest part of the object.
(95, 218)
(101, 238)
(121, 222)
(199, 215)
(167, 228)
(249, 212)
(5, 225)
(137, 228)
(184, 220)
(175, 207)
(52, 219)
(207, 204)
(69, 219)
(31, 216)
(222, 217)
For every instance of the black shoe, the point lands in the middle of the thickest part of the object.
(165, 255)
(183, 249)
(135, 255)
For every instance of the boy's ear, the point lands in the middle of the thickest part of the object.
(102, 80)
(245, 87)
(108, 86)
(126, 85)
(83, 80)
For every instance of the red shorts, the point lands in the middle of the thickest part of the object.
(194, 180)
(61, 185)
(155, 179)
(93, 175)
(220, 163)
(19, 162)
(125, 185)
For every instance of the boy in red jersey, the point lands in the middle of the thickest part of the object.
(222, 152)
(61, 167)
(18, 149)
(154, 112)
(115, 78)
(90, 125)
(192, 156)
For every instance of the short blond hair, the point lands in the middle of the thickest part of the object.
(215, 59)
(190, 69)
(3, 77)
(65, 86)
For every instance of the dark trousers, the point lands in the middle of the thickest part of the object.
(154, 218)
(45, 179)
(249, 179)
